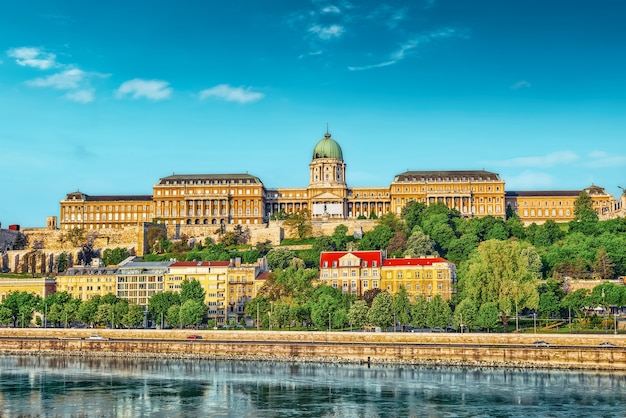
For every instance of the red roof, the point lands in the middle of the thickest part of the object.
(263, 276)
(365, 256)
(429, 261)
(201, 264)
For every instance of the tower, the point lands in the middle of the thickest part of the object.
(327, 179)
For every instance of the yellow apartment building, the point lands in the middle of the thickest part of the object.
(212, 277)
(137, 282)
(353, 272)
(85, 282)
(424, 276)
(41, 287)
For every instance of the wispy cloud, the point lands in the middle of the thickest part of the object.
(81, 96)
(521, 84)
(529, 180)
(33, 57)
(68, 79)
(327, 32)
(331, 9)
(148, 89)
(409, 47)
(604, 159)
(231, 94)
(549, 160)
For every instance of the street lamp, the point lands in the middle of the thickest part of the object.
(535, 321)
(329, 321)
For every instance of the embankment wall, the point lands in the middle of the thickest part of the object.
(492, 350)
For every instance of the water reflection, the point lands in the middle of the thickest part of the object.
(61, 386)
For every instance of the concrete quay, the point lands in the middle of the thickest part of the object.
(565, 351)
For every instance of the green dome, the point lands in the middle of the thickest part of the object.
(327, 148)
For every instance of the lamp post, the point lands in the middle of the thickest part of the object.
(329, 321)
(535, 321)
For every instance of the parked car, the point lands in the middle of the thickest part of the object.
(541, 344)
(96, 337)
(194, 337)
(607, 344)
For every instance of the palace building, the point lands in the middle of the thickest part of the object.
(209, 199)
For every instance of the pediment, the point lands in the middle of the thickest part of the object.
(327, 196)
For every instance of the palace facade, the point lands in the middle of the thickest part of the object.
(213, 199)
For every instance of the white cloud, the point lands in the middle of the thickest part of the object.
(331, 9)
(549, 160)
(407, 48)
(604, 159)
(33, 57)
(310, 54)
(65, 80)
(149, 89)
(530, 180)
(232, 94)
(522, 84)
(81, 96)
(327, 32)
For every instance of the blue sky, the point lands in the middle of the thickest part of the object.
(108, 97)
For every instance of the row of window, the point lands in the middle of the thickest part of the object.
(204, 192)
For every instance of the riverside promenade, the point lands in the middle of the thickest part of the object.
(566, 351)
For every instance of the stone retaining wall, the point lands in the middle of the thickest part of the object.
(492, 350)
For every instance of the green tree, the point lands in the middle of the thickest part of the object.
(55, 314)
(134, 316)
(173, 316)
(191, 312)
(280, 258)
(419, 245)
(515, 227)
(62, 262)
(380, 314)
(357, 315)
(159, 303)
(487, 317)
(376, 239)
(6, 316)
(603, 266)
(88, 310)
(401, 306)
(339, 237)
(104, 314)
(460, 249)
(439, 313)
(465, 315)
(585, 217)
(419, 310)
(22, 306)
(76, 236)
(192, 290)
(323, 312)
(114, 256)
(257, 309)
(497, 272)
(577, 301)
(370, 294)
(299, 223)
(412, 214)
(397, 245)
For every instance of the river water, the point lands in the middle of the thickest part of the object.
(79, 387)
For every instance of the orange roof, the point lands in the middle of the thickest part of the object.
(428, 261)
